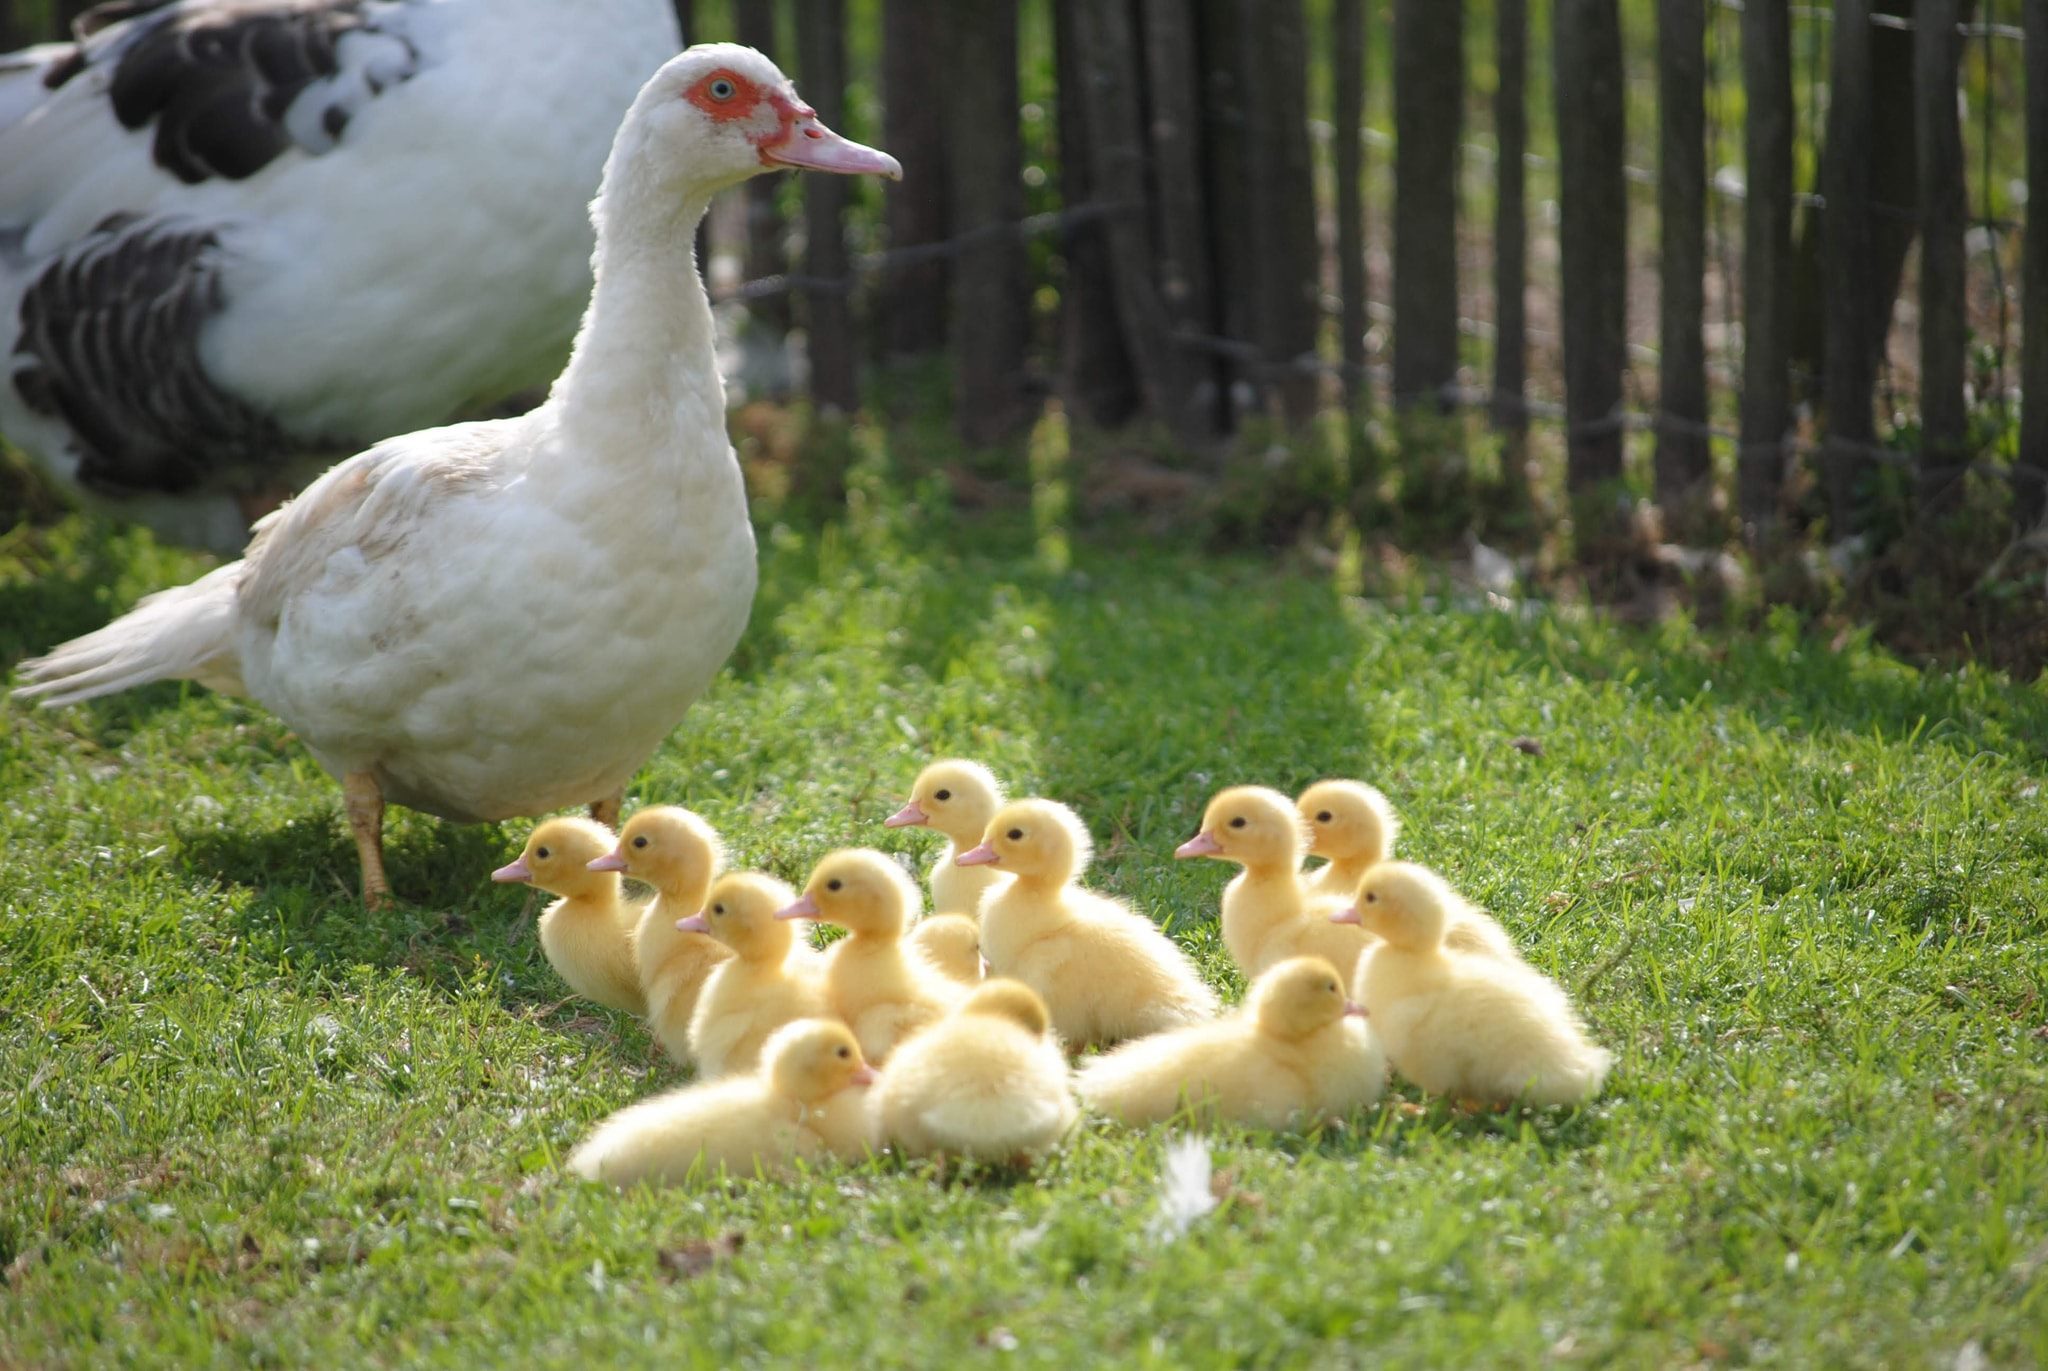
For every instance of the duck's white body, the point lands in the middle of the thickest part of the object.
(431, 255)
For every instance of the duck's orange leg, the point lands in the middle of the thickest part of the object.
(364, 801)
(606, 811)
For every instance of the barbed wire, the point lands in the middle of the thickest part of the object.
(1900, 22)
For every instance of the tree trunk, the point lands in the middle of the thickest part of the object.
(2030, 483)
(1685, 471)
(1180, 208)
(1285, 314)
(915, 71)
(1510, 243)
(1227, 156)
(1429, 74)
(1944, 330)
(1593, 233)
(1097, 380)
(828, 310)
(767, 251)
(986, 155)
(1766, 254)
(1348, 170)
(1849, 376)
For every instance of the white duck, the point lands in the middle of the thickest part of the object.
(242, 238)
(506, 618)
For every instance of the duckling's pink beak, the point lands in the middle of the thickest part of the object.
(1346, 915)
(977, 856)
(804, 908)
(907, 816)
(1201, 845)
(615, 860)
(1354, 1010)
(865, 1075)
(513, 871)
(696, 923)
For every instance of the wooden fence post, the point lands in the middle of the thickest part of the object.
(1510, 244)
(1180, 212)
(915, 73)
(1684, 463)
(828, 312)
(1594, 241)
(1429, 81)
(1766, 255)
(1849, 369)
(1097, 380)
(1944, 330)
(1347, 166)
(1286, 300)
(989, 306)
(2030, 494)
(766, 254)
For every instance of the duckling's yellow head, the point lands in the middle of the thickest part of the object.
(1012, 1000)
(956, 797)
(812, 1060)
(740, 912)
(1349, 821)
(1408, 905)
(1033, 838)
(1249, 825)
(861, 890)
(557, 858)
(668, 847)
(1298, 997)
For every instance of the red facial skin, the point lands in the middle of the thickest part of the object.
(745, 102)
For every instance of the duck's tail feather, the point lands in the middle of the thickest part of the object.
(186, 633)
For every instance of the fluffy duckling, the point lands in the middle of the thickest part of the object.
(957, 798)
(1267, 915)
(1296, 1051)
(589, 933)
(952, 943)
(677, 853)
(770, 980)
(1350, 824)
(750, 1125)
(873, 981)
(1471, 930)
(988, 1081)
(1479, 1028)
(1105, 973)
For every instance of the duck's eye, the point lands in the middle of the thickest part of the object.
(541, 853)
(1324, 816)
(718, 909)
(834, 884)
(845, 1052)
(1014, 834)
(722, 89)
(1238, 822)
(1330, 986)
(640, 841)
(942, 795)
(1371, 897)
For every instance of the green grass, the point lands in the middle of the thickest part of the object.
(243, 1121)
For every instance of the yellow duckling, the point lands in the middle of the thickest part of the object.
(1267, 915)
(677, 853)
(1105, 973)
(1296, 1051)
(988, 1081)
(770, 980)
(883, 991)
(1471, 930)
(1352, 825)
(758, 1124)
(952, 943)
(589, 933)
(1481, 1028)
(957, 798)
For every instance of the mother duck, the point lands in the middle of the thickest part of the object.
(506, 618)
(241, 239)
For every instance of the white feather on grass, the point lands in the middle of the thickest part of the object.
(1185, 1192)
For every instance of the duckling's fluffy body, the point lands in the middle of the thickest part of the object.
(1105, 973)
(873, 981)
(1463, 1025)
(590, 934)
(1295, 1052)
(677, 853)
(758, 1124)
(988, 1081)
(1268, 915)
(770, 980)
(952, 943)
(958, 798)
(1351, 825)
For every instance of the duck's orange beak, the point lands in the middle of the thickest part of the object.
(906, 817)
(977, 856)
(1201, 845)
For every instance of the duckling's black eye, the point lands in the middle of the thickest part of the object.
(1014, 834)
(640, 841)
(541, 853)
(834, 885)
(1238, 822)
(1330, 986)
(1371, 897)
(718, 909)
(722, 89)
(1324, 816)
(942, 795)
(845, 1052)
